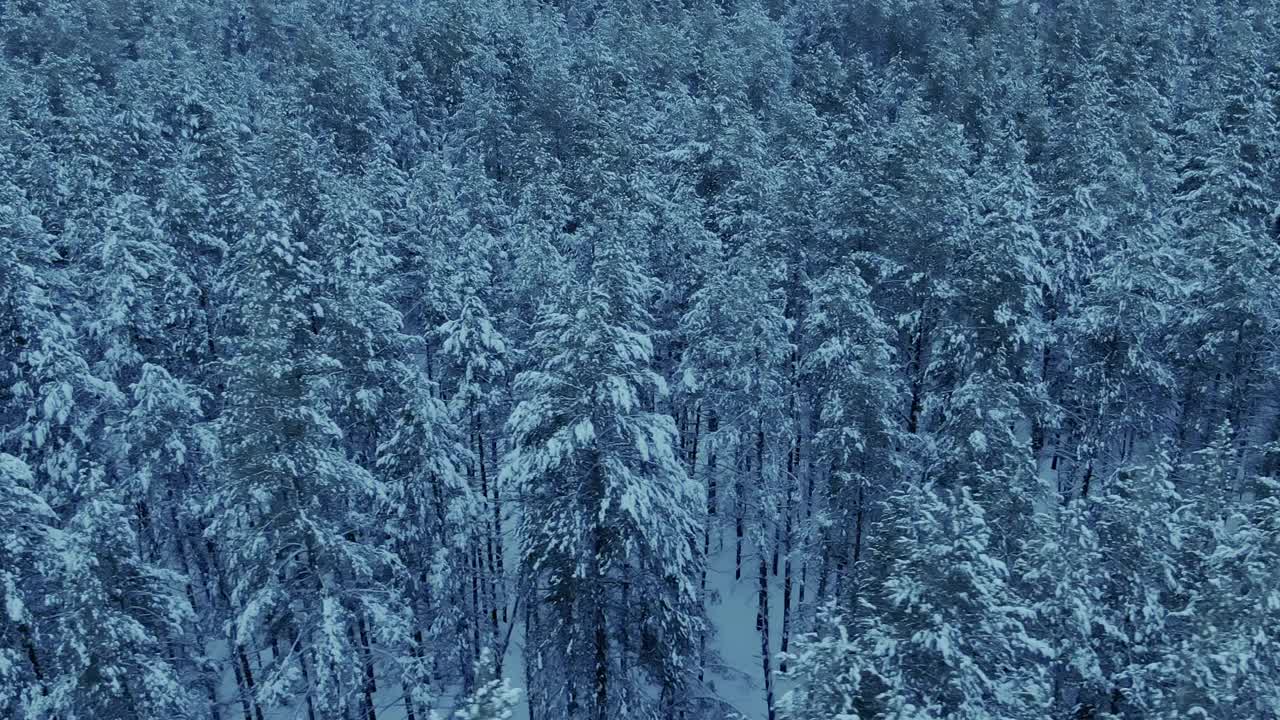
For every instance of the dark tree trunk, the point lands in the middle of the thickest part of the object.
(29, 647)
(762, 625)
(777, 543)
(490, 540)
(247, 672)
(792, 460)
(303, 651)
(859, 528)
(246, 703)
(527, 589)
(215, 712)
(706, 545)
(410, 711)
(500, 571)
(762, 606)
(808, 518)
(916, 372)
(366, 657)
(739, 523)
(477, 605)
(601, 632)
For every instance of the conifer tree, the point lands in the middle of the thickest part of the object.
(609, 506)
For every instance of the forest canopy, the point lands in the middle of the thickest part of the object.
(670, 359)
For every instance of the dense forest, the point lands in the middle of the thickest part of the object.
(639, 359)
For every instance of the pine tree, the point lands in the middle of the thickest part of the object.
(29, 526)
(289, 495)
(608, 507)
(101, 629)
(939, 631)
(1225, 210)
(858, 397)
(827, 686)
(1139, 525)
(1225, 662)
(478, 356)
(493, 698)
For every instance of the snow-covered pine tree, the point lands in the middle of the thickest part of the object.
(922, 158)
(1122, 338)
(113, 621)
(937, 630)
(477, 359)
(138, 295)
(429, 511)
(610, 530)
(827, 685)
(1225, 211)
(738, 368)
(1004, 277)
(427, 507)
(1226, 662)
(289, 497)
(29, 526)
(493, 698)
(101, 626)
(363, 334)
(859, 436)
(1139, 520)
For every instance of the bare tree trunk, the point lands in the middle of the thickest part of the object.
(477, 610)
(571, 686)
(762, 625)
(239, 660)
(762, 597)
(499, 572)
(248, 680)
(407, 683)
(828, 545)
(777, 543)
(916, 372)
(824, 566)
(532, 652)
(366, 657)
(859, 527)
(409, 712)
(601, 628)
(1039, 430)
(29, 647)
(491, 588)
(739, 524)
(245, 702)
(215, 712)
(808, 519)
(303, 651)
(706, 545)
(624, 620)
(792, 458)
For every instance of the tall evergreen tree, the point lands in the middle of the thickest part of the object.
(610, 522)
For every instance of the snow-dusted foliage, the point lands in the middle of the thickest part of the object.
(609, 534)
(374, 359)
